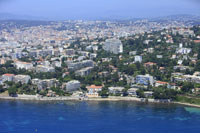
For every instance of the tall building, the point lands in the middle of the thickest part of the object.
(114, 46)
(72, 86)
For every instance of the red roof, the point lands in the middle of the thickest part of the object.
(149, 63)
(94, 87)
(8, 74)
(196, 41)
(160, 82)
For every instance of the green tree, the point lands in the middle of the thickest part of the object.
(12, 91)
(140, 93)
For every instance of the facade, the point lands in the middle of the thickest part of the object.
(24, 79)
(45, 84)
(41, 68)
(84, 72)
(132, 91)
(114, 46)
(69, 51)
(138, 59)
(183, 50)
(160, 83)
(72, 86)
(145, 79)
(79, 65)
(115, 90)
(23, 65)
(93, 90)
(8, 77)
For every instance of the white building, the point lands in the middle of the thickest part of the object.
(114, 46)
(183, 50)
(23, 65)
(8, 77)
(73, 85)
(41, 68)
(138, 59)
(145, 79)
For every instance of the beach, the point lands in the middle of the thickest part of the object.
(76, 98)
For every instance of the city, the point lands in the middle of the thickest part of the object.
(99, 59)
(99, 66)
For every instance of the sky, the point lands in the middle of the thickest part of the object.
(95, 9)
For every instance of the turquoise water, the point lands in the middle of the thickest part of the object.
(97, 117)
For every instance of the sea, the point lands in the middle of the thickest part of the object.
(96, 117)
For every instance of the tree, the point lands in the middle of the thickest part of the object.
(1, 89)
(187, 87)
(140, 93)
(12, 91)
(104, 92)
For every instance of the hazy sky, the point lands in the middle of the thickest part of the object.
(91, 9)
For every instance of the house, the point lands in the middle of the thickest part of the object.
(182, 68)
(132, 53)
(132, 91)
(183, 50)
(115, 90)
(149, 64)
(93, 90)
(148, 93)
(73, 85)
(196, 41)
(8, 77)
(160, 83)
(138, 59)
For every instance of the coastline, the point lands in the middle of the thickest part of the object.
(111, 98)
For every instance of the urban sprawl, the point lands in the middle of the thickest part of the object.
(100, 59)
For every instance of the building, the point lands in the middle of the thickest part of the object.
(132, 91)
(8, 77)
(84, 72)
(24, 79)
(148, 93)
(45, 84)
(72, 86)
(41, 68)
(93, 90)
(23, 65)
(69, 51)
(149, 64)
(79, 65)
(138, 59)
(132, 53)
(145, 80)
(160, 83)
(183, 50)
(114, 46)
(115, 90)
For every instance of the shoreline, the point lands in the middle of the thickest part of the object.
(111, 98)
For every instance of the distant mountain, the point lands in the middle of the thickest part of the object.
(8, 16)
(181, 17)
